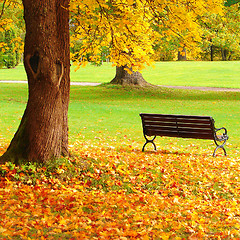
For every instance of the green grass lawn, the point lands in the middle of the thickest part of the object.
(190, 73)
(109, 188)
(112, 113)
(209, 74)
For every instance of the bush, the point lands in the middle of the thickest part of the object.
(10, 60)
(1, 61)
(11, 56)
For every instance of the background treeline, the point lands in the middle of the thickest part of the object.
(220, 39)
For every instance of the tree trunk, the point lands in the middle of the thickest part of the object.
(123, 77)
(230, 56)
(43, 131)
(224, 54)
(182, 55)
(211, 52)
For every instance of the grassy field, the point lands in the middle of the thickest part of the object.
(210, 74)
(108, 188)
(112, 113)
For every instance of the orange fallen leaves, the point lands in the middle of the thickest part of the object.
(122, 193)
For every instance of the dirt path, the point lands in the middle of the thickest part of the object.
(177, 87)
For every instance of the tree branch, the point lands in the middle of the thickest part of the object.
(3, 8)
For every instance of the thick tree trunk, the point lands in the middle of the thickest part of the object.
(123, 77)
(43, 131)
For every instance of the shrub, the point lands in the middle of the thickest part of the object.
(11, 56)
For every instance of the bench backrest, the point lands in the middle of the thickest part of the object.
(184, 126)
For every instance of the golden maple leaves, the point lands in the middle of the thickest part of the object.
(129, 29)
(123, 193)
(125, 32)
(117, 25)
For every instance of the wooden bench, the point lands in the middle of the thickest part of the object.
(182, 126)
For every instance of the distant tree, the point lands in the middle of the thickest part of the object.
(126, 76)
(221, 37)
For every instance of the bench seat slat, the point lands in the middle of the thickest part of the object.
(196, 135)
(170, 128)
(179, 121)
(159, 128)
(153, 115)
(162, 133)
(195, 129)
(194, 121)
(198, 125)
(159, 119)
(178, 126)
(152, 123)
(182, 134)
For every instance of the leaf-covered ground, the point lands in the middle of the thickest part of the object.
(117, 192)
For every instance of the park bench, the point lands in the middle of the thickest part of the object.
(182, 126)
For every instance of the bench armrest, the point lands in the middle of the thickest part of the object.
(222, 137)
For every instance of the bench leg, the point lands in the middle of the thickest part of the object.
(220, 142)
(149, 141)
(219, 146)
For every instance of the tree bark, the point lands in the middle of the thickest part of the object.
(43, 131)
(224, 54)
(211, 50)
(182, 55)
(123, 77)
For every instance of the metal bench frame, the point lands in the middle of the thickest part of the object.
(182, 126)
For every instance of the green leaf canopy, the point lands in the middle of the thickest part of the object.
(231, 2)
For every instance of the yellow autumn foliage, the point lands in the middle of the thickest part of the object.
(129, 29)
(8, 10)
